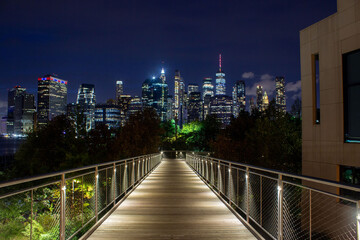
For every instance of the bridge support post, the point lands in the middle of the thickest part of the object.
(247, 179)
(358, 220)
(280, 208)
(96, 192)
(62, 206)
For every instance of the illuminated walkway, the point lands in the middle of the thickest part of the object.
(172, 203)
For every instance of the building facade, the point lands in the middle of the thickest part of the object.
(221, 107)
(330, 82)
(109, 115)
(280, 93)
(179, 98)
(52, 98)
(259, 97)
(119, 90)
(192, 87)
(194, 107)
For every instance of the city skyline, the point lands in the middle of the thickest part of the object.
(66, 44)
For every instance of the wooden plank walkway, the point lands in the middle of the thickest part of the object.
(172, 203)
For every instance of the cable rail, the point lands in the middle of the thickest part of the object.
(69, 204)
(280, 205)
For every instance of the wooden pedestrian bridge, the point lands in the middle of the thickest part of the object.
(177, 195)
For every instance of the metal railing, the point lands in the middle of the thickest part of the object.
(68, 204)
(280, 205)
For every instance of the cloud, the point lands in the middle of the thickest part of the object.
(248, 75)
(266, 81)
(295, 96)
(293, 86)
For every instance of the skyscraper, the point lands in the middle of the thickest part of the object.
(179, 98)
(265, 102)
(194, 107)
(221, 107)
(259, 97)
(108, 115)
(192, 87)
(280, 93)
(135, 105)
(239, 102)
(220, 80)
(52, 97)
(21, 110)
(164, 95)
(119, 90)
(208, 87)
(86, 100)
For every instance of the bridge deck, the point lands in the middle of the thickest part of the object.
(172, 203)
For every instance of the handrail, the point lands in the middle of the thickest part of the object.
(59, 173)
(71, 205)
(278, 208)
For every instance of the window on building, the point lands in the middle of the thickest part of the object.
(350, 175)
(351, 77)
(316, 87)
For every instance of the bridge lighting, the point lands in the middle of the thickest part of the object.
(279, 188)
(229, 169)
(97, 176)
(358, 217)
(246, 176)
(161, 152)
(64, 188)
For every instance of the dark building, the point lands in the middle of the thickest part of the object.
(110, 115)
(280, 93)
(239, 102)
(194, 107)
(124, 103)
(221, 107)
(135, 105)
(52, 98)
(21, 110)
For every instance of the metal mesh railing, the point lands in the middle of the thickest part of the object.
(65, 205)
(282, 205)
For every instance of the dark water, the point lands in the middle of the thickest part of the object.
(8, 146)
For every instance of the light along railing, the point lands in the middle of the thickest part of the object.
(280, 205)
(69, 204)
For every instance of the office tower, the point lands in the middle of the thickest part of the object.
(146, 96)
(265, 102)
(164, 95)
(86, 101)
(239, 102)
(124, 102)
(220, 80)
(259, 97)
(109, 115)
(52, 97)
(135, 105)
(208, 87)
(221, 107)
(21, 110)
(280, 93)
(194, 107)
(119, 90)
(179, 98)
(192, 87)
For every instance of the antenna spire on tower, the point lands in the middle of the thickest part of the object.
(220, 61)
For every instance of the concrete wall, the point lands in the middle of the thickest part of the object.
(323, 146)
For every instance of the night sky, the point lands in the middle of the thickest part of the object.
(99, 42)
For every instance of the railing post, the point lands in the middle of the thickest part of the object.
(229, 183)
(358, 220)
(280, 208)
(62, 206)
(126, 176)
(114, 181)
(219, 177)
(32, 212)
(96, 192)
(261, 201)
(310, 217)
(247, 177)
(133, 173)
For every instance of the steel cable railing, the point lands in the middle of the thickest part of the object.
(67, 204)
(282, 205)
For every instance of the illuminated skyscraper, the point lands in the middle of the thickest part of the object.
(208, 87)
(146, 96)
(265, 102)
(220, 80)
(164, 95)
(108, 115)
(179, 98)
(21, 109)
(238, 95)
(86, 100)
(252, 105)
(259, 97)
(123, 104)
(119, 90)
(280, 93)
(135, 105)
(52, 98)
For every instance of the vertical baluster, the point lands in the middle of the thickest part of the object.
(310, 217)
(96, 192)
(114, 181)
(62, 206)
(261, 201)
(247, 177)
(32, 212)
(280, 208)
